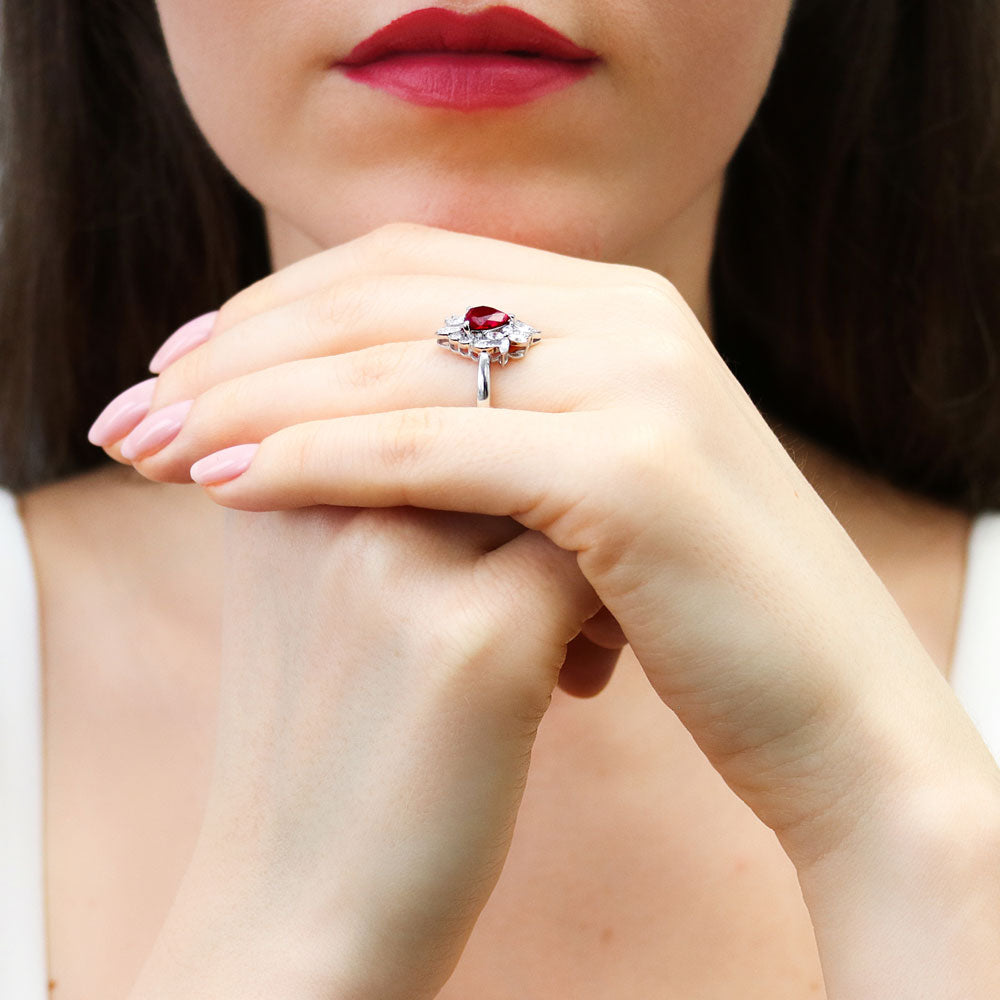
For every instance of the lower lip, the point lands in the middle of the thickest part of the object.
(468, 81)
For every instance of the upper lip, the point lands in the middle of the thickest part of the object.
(437, 29)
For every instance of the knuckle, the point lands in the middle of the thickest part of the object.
(347, 304)
(188, 376)
(640, 450)
(462, 637)
(351, 312)
(234, 404)
(205, 424)
(653, 291)
(367, 369)
(362, 552)
(241, 394)
(384, 527)
(395, 229)
(471, 644)
(374, 248)
(463, 643)
(248, 301)
(371, 249)
(673, 371)
(300, 452)
(647, 279)
(405, 438)
(391, 240)
(646, 447)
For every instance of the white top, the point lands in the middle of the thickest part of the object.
(23, 964)
(975, 678)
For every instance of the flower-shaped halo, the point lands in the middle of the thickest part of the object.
(485, 330)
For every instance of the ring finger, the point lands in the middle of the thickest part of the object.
(355, 313)
(395, 376)
(327, 355)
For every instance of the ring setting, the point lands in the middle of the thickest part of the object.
(486, 334)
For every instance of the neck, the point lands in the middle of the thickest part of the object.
(681, 250)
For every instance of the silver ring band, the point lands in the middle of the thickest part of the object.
(485, 334)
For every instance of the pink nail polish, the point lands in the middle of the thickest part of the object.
(185, 338)
(122, 414)
(159, 428)
(223, 465)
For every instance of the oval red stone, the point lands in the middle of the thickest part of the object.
(485, 318)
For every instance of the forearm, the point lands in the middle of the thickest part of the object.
(217, 946)
(241, 929)
(187, 962)
(910, 909)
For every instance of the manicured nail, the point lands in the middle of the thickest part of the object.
(194, 332)
(122, 414)
(223, 465)
(156, 430)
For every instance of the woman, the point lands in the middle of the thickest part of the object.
(289, 713)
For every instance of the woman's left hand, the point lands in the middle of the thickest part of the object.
(624, 438)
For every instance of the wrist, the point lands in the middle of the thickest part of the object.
(894, 758)
(221, 941)
(233, 933)
(192, 958)
(909, 905)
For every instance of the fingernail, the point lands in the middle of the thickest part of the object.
(156, 430)
(194, 332)
(122, 414)
(223, 465)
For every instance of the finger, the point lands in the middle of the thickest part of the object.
(350, 323)
(376, 379)
(534, 467)
(512, 577)
(587, 668)
(361, 312)
(412, 248)
(349, 316)
(603, 630)
(533, 561)
(355, 316)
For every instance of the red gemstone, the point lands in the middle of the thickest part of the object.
(485, 318)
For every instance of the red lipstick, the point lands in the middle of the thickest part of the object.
(498, 57)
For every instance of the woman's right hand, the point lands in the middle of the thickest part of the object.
(383, 675)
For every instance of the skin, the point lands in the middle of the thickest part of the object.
(314, 148)
(342, 158)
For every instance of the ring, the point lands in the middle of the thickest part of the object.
(485, 333)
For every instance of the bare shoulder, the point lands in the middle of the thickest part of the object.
(61, 518)
(124, 585)
(126, 539)
(129, 668)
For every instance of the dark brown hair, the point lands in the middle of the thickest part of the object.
(854, 284)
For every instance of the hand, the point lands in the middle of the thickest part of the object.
(383, 676)
(626, 441)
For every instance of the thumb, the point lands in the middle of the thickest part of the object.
(543, 583)
(533, 564)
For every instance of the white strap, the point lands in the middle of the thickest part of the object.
(975, 669)
(23, 962)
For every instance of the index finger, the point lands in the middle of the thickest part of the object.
(412, 248)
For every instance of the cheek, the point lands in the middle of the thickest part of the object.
(703, 67)
(232, 60)
(692, 74)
